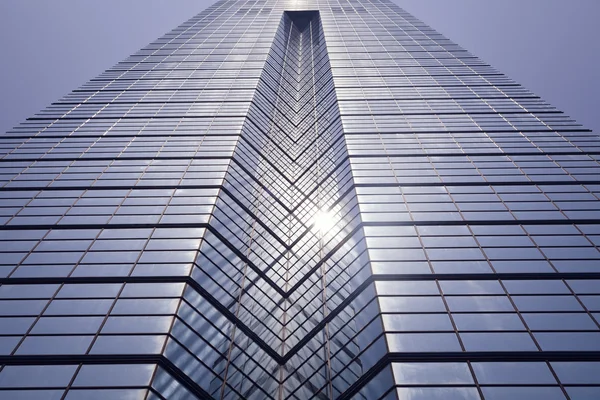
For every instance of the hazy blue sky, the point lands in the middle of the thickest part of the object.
(52, 47)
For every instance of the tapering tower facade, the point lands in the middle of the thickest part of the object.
(300, 199)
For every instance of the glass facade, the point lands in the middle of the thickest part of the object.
(301, 199)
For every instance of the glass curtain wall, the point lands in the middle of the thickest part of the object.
(300, 199)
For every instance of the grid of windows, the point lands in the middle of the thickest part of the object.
(296, 199)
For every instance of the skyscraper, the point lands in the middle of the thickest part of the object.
(300, 199)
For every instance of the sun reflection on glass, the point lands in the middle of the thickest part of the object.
(323, 221)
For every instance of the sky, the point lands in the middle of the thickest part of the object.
(51, 47)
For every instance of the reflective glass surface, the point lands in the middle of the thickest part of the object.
(294, 199)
